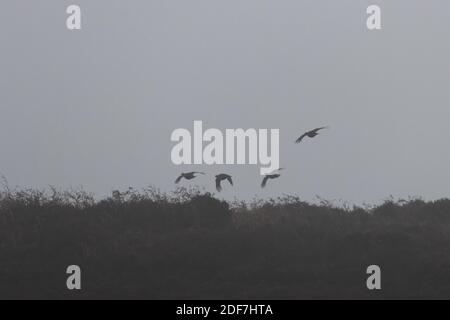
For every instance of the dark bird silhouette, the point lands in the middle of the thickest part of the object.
(269, 176)
(220, 178)
(310, 134)
(188, 176)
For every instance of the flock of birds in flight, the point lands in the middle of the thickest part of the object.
(223, 176)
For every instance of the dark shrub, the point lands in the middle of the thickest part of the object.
(190, 245)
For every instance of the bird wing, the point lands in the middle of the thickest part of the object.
(264, 182)
(318, 129)
(179, 179)
(218, 186)
(301, 138)
(230, 180)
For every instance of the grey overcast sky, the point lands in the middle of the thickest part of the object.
(96, 107)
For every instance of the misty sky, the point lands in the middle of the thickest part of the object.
(97, 107)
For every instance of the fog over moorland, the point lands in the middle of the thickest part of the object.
(96, 107)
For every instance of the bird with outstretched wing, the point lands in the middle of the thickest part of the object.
(188, 176)
(310, 134)
(267, 177)
(220, 178)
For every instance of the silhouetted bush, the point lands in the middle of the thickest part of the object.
(191, 245)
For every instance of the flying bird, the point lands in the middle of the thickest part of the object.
(310, 134)
(188, 176)
(220, 178)
(269, 176)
